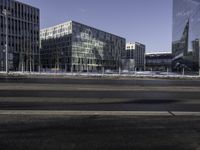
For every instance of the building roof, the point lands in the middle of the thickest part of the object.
(159, 53)
(134, 43)
(71, 21)
(26, 4)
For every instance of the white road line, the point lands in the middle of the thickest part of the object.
(186, 113)
(98, 113)
(85, 113)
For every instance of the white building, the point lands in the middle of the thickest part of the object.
(135, 51)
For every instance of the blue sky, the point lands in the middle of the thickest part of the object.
(145, 21)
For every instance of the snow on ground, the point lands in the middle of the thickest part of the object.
(154, 74)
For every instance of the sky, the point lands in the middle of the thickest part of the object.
(145, 21)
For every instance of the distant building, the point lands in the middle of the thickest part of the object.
(186, 35)
(195, 52)
(158, 61)
(23, 36)
(134, 55)
(73, 46)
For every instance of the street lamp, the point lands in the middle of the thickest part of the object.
(6, 13)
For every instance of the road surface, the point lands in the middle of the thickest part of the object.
(40, 114)
(99, 95)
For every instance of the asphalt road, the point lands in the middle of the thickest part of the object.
(99, 133)
(100, 95)
(51, 131)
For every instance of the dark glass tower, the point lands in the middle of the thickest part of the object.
(23, 36)
(186, 35)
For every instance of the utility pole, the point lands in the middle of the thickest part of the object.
(167, 71)
(119, 70)
(39, 56)
(183, 73)
(57, 66)
(30, 57)
(199, 63)
(199, 71)
(6, 13)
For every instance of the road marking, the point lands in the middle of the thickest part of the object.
(98, 113)
(68, 87)
(186, 113)
(85, 113)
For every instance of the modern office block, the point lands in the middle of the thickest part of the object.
(136, 52)
(23, 36)
(186, 34)
(195, 52)
(158, 61)
(73, 46)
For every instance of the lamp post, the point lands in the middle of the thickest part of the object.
(6, 13)
(199, 62)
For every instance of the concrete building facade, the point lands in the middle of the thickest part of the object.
(23, 24)
(73, 46)
(135, 52)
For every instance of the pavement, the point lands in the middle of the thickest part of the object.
(62, 113)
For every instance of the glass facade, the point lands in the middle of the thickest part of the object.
(186, 35)
(23, 36)
(81, 48)
(158, 62)
(56, 47)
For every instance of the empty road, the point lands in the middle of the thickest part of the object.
(82, 114)
(99, 95)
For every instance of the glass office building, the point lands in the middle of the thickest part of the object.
(23, 36)
(158, 61)
(186, 35)
(72, 46)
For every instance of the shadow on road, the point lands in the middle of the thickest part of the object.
(154, 101)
